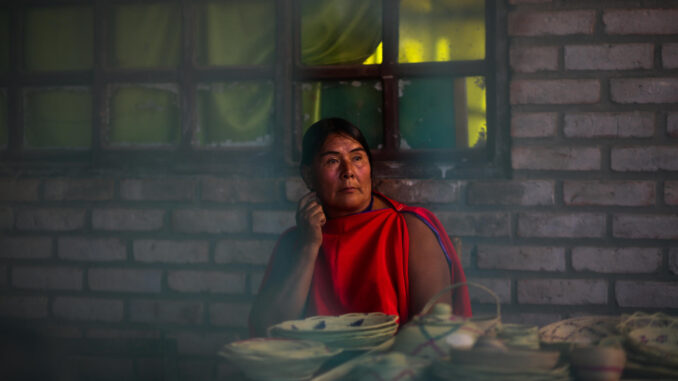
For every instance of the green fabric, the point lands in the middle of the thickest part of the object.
(336, 32)
(59, 38)
(144, 115)
(4, 40)
(146, 35)
(236, 33)
(427, 113)
(4, 132)
(235, 113)
(58, 118)
(359, 102)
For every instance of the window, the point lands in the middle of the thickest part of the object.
(222, 81)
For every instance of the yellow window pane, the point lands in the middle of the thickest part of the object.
(441, 30)
(340, 31)
(235, 114)
(146, 35)
(4, 40)
(240, 32)
(58, 118)
(144, 116)
(59, 38)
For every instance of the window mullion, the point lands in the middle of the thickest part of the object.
(14, 98)
(98, 82)
(285, 53)
(390, 81)
(187, 87)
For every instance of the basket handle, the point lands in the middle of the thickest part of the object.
(451, 287)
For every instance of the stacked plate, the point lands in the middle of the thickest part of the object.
(653, 350)
(356, 331)
(277, 359)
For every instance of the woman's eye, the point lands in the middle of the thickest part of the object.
(358, 158)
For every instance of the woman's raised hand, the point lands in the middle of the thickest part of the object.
(310, 220)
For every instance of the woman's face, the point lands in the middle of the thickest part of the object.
(341, 176)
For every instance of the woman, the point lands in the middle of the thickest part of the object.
(353, 250)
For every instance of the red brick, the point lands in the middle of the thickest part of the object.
(641, 21)
(562, 291)
(194, 369)
(556, 158)
(532, 59)
(295, 189)
(90, 309)
(113, 333)
(235, 189)
(670, 56)
(206, 281)
(60, 331)
(475, 224)
(201, 344)
(645, 226)
(158, 189)
(570, 225)
(653, 158)
(165, 251)
(127, 219)
(166, 311)
(644, 90)
(535, 258)
(229, 314)
(533, 125)
(25, 247)
(673, 260)
(4, 278)
(102, 368)
(12, 189)
(672, 124)
(528, 1)
(124, 280)
(420, 191)
(272, 221)
(6, 218)
(647, 294)
(622, 193)
(559, 23)
(240, 251)
(538, 319)
(555, 91)
(255, 282)
(671, 192)
(527, 192)
(501, 288)
(63, 189)
(56, 278)
(209, 221)
(609, 125)
(609, 57)
(50, 219)
(627, 260)
(91, 249)
(24, 307)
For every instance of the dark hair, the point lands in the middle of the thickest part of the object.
(317, 133)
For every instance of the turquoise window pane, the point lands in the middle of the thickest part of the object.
(235, 114)
(58, 118)
(359, 102)
(144, 115)
(4, 125)
(241, 32)
(441, 30)
(442, 113)
(4, 40)
(59, 38)
(146, 35)
(340, 31)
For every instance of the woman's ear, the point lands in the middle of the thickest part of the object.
(307, 176)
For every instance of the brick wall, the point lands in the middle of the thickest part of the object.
(586, 224)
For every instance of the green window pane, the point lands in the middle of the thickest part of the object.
(442, 113)
(441, 30)
(59, 38)
(4, 40)
(4, 125)
(340, 32)
(145, 35)
(58, 118)
(235, 114)
(144, 115)
(359, 102)
(240, 32)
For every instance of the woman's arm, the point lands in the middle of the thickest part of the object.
(429, 271)
(284, 293)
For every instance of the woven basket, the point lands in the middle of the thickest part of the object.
(659, 345)
(583, 330)
(643, 320)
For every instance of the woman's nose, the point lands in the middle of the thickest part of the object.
(347, 170)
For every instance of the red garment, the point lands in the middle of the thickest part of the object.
(363, 264)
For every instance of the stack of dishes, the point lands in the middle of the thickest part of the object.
(651, 343)
(356, 331)
(514, 364)
(277, 359)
